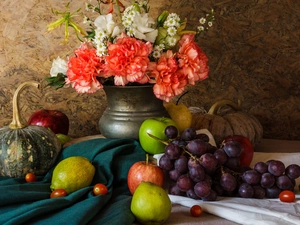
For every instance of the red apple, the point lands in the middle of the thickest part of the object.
(248, 150)
(56, 120)
(144, 171)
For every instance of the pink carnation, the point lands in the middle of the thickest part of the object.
(128, 60)
(169, 80)
(83, 68)
(192, 60)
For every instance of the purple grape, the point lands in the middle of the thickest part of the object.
(268, 162)
(165, 163)
(267, 180)
(251, 177)
(196, 171)
(276, 168)
(293, 171)
(246, 190)
(259, 192)
(210, 148)
(174, 190)
(221, 156)
(211, 197)
(203, 137)
(197, 147)
(202, 189)
(233, 148)
(189, 134)
(208, 161)
(218, 189)
(191, 194)
(171, 132)
(228, 182)
(185, 183)
(179, 142)
(180, 164)
(208, 179)
(261, 167)
(273, 192)
(174, 174)
(173, 151)
(284, 182)
(232, 163)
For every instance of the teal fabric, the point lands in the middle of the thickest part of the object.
(29, 203)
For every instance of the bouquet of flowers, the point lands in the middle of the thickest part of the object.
(128, 47)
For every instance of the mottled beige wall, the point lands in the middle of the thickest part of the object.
(253, 49)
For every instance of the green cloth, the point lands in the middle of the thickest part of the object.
(30, 203)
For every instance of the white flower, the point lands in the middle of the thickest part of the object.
(156, 54)
(58, 66)
(172, 20)
(171, 31)
(106, 23)
(100, 35)
(202, 20)
(143, 3)
(159, 47)
(151, 36)
(142, 27)
(200, 28)
(171, 41)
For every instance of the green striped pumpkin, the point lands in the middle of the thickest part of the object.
(26, 148)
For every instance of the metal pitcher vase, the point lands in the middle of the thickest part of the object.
(128, 107)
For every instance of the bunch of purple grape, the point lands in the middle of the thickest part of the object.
(199, 170)
(268, 179)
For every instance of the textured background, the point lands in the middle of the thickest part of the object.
(253, 49)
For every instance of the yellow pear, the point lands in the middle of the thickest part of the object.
(72, 174)
(150, 204)
(180, 114)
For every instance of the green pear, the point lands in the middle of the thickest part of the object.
(150, 204)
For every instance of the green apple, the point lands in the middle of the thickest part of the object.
(156, 127)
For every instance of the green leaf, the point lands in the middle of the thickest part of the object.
(58, 81)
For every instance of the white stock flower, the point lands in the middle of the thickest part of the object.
(58, 66)
(142, 27)
(106, 23)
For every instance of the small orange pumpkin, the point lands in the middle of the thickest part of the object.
(231, 121)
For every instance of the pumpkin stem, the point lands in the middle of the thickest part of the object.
(215, 107)
(18, 122)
